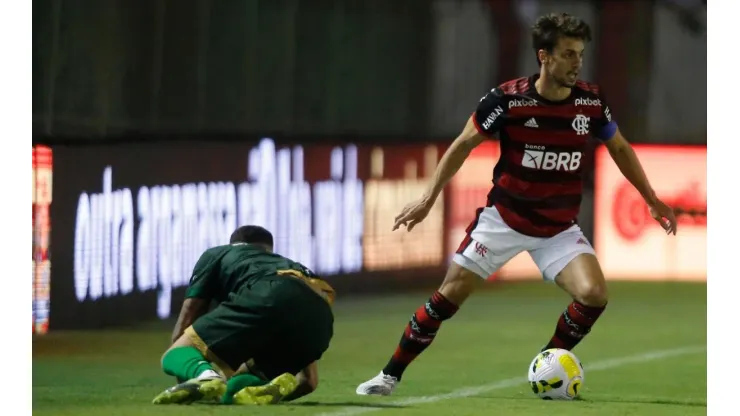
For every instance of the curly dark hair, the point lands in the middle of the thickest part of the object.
(551, 27)
(251, 234)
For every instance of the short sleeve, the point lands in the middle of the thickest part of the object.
(320, 286)
(604, 127)
(203, 280)
(306, 271)
(488, 117)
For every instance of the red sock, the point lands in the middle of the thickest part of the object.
(419, 333)
(574, 324)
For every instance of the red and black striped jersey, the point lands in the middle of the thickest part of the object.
(537, 182)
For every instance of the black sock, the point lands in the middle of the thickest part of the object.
(419, 333)
(574, 324)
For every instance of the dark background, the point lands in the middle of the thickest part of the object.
(79, 169)
(174, 91)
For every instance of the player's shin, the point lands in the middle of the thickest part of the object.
(574, 324)
(187, 363)
(419, 333)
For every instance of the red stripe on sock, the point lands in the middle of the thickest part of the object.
(559, 343)
(402, 355)
(584, 315)
(440, 301)
(423, 318)
(563, 326)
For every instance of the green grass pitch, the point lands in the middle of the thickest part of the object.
(646, 356)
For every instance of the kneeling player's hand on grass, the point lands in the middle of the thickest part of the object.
(414, 213)
(664, 215)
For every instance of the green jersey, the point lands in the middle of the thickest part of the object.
(228, 269)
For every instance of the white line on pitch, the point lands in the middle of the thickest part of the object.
(519, 381)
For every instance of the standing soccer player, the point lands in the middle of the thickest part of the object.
(543, 123)
(273, 322)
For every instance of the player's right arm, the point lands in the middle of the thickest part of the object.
(198, 295)
(192, 309)
(482, 124)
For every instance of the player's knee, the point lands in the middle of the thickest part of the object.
(593, 293)
(459, 283)
(161, 360)
(183, 341)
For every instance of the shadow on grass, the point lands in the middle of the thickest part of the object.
(349, 404)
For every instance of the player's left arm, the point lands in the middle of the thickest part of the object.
(625, 158)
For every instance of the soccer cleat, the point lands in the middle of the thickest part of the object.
(271, 393)
(207, 389)
(380, 385)
(213, 389)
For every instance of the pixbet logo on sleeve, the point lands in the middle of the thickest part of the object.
(522, 103)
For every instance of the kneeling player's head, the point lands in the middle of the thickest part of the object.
(559, 40)
(252, 234)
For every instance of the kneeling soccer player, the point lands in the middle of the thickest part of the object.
(272, 322)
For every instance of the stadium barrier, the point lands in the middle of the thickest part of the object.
(130, 220)
(626, 238)
(41, 192)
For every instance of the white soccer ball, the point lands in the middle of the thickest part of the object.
(556, 374)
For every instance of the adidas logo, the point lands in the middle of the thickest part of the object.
(531, 123)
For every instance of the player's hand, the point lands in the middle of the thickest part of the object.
(414, 213)
(664, 215)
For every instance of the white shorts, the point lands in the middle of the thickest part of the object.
(492, 243)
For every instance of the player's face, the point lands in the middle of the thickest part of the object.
(564, 64)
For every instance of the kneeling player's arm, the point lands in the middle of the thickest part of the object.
(308, 381)
(628, 163)
(199, 293)
(192, 309)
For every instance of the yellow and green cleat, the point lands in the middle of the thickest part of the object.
(194, 390)
(270, 393)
